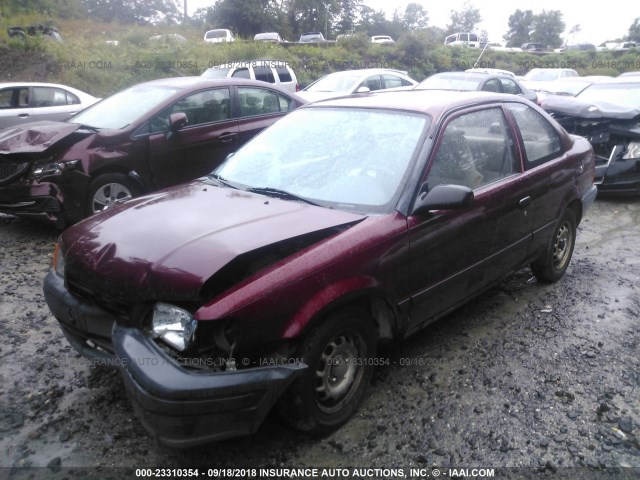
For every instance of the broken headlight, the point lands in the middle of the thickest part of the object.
(47, 169)
(633, 151)
(58, 260)
(173, 325)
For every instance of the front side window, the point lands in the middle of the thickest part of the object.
(474, 150)
(200, 108)
(541, 141)
(509, 86)
(492, 85)
(372, 83)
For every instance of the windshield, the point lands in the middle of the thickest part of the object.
(337, 82)
(123, 108)
(445, 82)
(627, 94)
(345, 158)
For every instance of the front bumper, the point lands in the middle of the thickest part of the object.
(56, 199)
(182, 408)
(588, 198)
(179, 407)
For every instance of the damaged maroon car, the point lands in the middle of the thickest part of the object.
(150, 136)
(348, 224)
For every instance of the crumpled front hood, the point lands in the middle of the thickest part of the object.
(34, 137)
(166, 245)
(574, 107)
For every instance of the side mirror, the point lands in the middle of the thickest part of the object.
(443, 197)
(177, 121)
(363, 90)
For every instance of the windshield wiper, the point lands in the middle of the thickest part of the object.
(87, 127)
(221, 180)
(276, 192)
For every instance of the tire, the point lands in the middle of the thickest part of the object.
(553, 264)
(333, 386)
(109, 190)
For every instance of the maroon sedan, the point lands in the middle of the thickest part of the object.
(150, 136)
(349, 223)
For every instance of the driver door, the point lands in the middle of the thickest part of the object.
(201, 145)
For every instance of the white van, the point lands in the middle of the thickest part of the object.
(463, 39)
(219, 36)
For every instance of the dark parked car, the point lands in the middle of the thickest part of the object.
(607, 113)
(146, 137)
(476, 80)
(275, 279)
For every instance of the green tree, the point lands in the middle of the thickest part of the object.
(464, 20)
(372, 22)
(51, 8)
(520, 26)
(415, 17)
(548, 27)
(244, 17)
(634, 31)
(348, 12)
(134, 11)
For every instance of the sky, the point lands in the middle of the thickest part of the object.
(598, 22)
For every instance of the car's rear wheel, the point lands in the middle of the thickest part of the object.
(338, 352)
(109, 190)
(553, 264)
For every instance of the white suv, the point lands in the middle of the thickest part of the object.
(271, 71)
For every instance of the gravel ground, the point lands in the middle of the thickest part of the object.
(545, 379)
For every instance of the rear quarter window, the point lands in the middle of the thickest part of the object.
(541, 141)
(284, 75)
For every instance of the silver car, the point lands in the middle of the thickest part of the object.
(348, 82)
(27, 102)
(479, 80)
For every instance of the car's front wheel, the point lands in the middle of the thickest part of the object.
(109, 190)
(339, 352)
(553, 264)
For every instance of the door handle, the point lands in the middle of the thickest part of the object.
(524, 202)
(23, 115)
(227, 137)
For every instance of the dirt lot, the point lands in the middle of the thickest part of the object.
(543, 378)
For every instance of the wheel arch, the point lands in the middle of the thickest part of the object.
(364, 293)
(121, 170)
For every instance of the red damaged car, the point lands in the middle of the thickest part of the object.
(349, 223)
(144, 138)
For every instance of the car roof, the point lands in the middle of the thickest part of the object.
(196, 83)
(431, 102)
(631, 79)
(368, 71)
(473, 74)
(34, 84)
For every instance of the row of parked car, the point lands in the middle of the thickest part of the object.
(223, 35)
(212, 125)
(224, 288)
